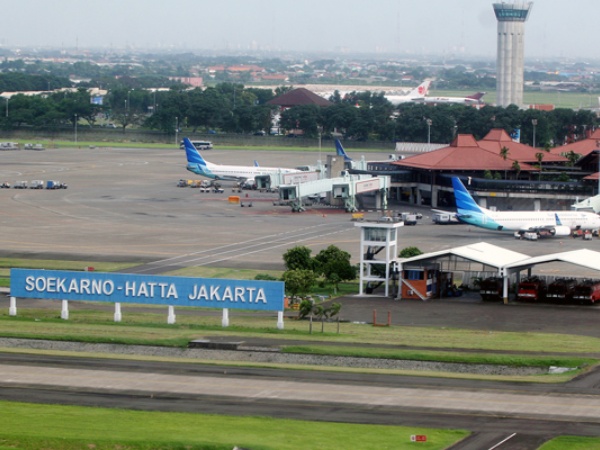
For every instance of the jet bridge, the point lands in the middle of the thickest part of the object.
(342, 190)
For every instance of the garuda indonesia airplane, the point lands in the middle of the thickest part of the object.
(544, 223)
(197, 164)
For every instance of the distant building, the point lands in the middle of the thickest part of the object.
(510, 51)
(192, 81)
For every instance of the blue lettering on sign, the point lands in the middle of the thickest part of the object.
(147, 289)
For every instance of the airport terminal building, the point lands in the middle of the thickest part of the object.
(502, 173)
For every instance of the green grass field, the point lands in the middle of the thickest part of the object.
(573, 100)
(50, 427)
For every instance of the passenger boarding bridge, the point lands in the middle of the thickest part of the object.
(342, 191)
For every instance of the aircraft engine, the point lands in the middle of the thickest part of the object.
(560, 230)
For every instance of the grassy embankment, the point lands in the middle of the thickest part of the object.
(147, 326)
(31, 427)
(66, 427)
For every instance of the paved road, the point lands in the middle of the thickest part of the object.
(533, 413)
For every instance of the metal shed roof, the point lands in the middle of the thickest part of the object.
(481, 252)
(583, 257)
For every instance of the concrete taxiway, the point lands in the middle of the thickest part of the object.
(123, 204)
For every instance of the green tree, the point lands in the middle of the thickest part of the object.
(334, 264)
(540, 157)
(409, 252)
(517, 168)
(298, 282)
(306, 118)
(504, 155)
(298, 258)
(572, 157)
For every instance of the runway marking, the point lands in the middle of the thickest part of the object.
(503, 441)
(243, 248)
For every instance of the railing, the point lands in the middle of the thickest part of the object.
(518, 186)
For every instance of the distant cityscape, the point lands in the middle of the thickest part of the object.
(83, 67)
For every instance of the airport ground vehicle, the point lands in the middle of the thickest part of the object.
(409, 218)
(20, 184)
(561, 290)
(527, 235)
(37, 184)
(9, 146)
(4, 185)
(442, 219)
(54, 184)
(33, 147)
(586, 292)
(532, 289)
(491, 289)
(200, 145)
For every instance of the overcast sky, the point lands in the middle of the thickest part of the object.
(556, 28)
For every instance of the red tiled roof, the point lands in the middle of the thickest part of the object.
(594, 176)
(463, 154)
(299, 97)
(498, 138)
(583, 147)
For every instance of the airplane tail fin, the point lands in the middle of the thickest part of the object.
(465, 204)
(421, 91)
(339, 150)
(477, 96)
(193, 155)
(558, 222)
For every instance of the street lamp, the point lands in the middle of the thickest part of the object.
(429, 122)
(176, 130)
(6, 106)
(320, 130)
(534, 122)
(76, 119)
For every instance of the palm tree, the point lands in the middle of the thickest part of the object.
(539, 156)
(504, 155)
(572, 157)
(516, 167)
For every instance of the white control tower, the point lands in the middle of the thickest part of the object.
(511, 43)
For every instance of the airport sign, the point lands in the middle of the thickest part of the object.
(147, 289)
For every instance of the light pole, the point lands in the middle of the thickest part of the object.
(176, 130)
(534, 123)
(429, 122)
(320, 129)
(76, 128)
(6, 106)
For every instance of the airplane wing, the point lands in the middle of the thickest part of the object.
(449, 216)
(549, 229)
(441, 211)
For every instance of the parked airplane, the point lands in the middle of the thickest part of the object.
(361, 165)
(198, 165)
(589, 204)
(339, 150)
(415, 95)
(474, 99)
(544, 223)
